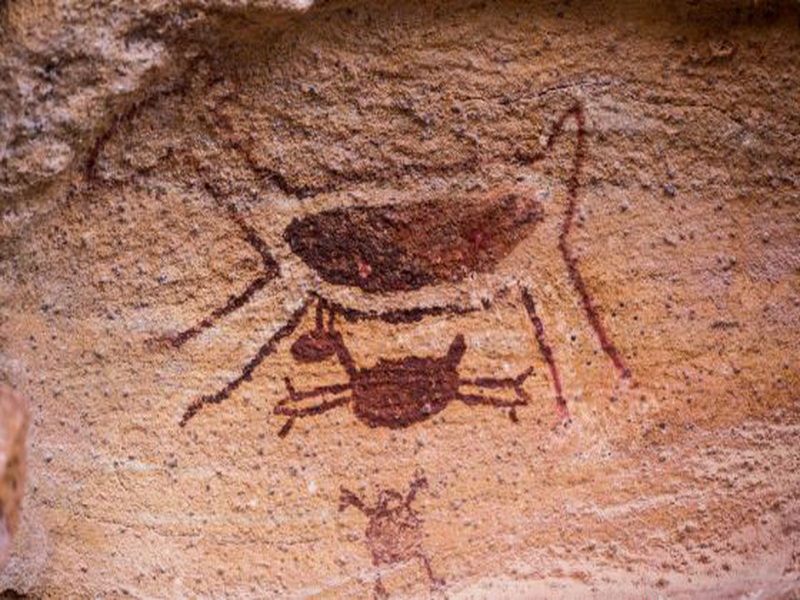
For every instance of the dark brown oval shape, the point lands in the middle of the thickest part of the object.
(403, 247)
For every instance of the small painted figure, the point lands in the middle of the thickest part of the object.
(393, 533)
(394, 393)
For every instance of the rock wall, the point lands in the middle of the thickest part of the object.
(407, 299)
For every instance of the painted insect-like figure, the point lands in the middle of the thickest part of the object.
(393, 393)
(393, 533)
(360, 257)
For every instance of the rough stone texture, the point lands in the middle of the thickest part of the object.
(154, 157)
(13, 431)
(70, 68)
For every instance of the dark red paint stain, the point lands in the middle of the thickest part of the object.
(406, 246)
(546, 351)
(394, 531)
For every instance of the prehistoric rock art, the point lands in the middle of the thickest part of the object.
(390, 249)
(409, 173)
(393, 533)
(393, 393)
(13, 432)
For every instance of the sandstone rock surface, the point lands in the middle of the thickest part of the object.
(463, 298)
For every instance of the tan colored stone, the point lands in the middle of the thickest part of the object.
(155, 298)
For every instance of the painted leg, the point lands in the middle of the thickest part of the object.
(435, 583)
(547, 353)
(380, 591)
(500, 382)
(296, 396)
(474, 399)
(514, 383)
(295, 413)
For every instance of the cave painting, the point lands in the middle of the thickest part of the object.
(393, 393)
(396, 249)
(393, 533)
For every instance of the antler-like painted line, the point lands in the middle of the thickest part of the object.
(573, 185)
(235, 302)
(251, 237)
(348, 498)
(247, 372)
(420, 483)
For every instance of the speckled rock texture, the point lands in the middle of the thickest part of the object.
(13, 432)
(403, 299)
